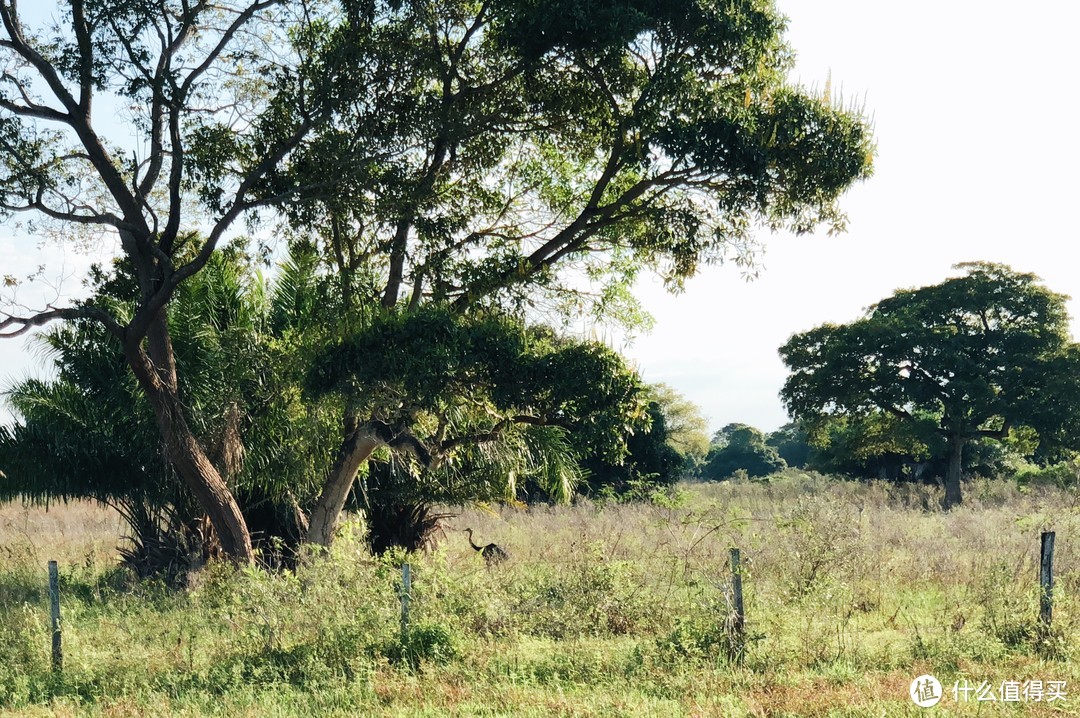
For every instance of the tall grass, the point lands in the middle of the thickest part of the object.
(852, 589)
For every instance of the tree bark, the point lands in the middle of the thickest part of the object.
(952, 477)
(155, 370)
(360, 443)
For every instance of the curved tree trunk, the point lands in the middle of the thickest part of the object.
(155, 370)
(952, 477)
(359, 444)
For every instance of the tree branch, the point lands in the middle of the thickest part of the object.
(86, 56)
(74, 118)
(223, 42)
(14, 326)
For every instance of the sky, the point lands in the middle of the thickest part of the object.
(977, 159)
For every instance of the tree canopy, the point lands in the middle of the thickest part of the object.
(503, 141)
(450, 153)
(979, 355)
(740, 447)
(686, 428)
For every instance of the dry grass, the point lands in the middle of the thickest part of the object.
(66, 532)
(614, 610)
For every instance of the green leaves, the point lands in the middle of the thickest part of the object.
(741, 447)
(481, 150)
(982, 353)
(430, 361)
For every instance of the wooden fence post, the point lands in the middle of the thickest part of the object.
(54, 614)
(738, 618)
(1046, 579)
(406, 595)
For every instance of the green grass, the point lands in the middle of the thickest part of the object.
(619, 610)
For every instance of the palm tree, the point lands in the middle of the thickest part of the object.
(74, 439)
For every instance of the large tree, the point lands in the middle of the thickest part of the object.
(981, 354)
(449, 152)
(536, 156)
(178, 82)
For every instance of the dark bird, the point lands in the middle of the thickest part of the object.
(492, 553)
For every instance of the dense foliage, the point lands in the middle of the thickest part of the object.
(651, 461)
(979, 356)
(449, 153)
(495, 407)
(237, 359)
(738, 447)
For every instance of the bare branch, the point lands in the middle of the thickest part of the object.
(223, 42)
(29, 108)
(14, 326)
(75, 117)
(37, 205)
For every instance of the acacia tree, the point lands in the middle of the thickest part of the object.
(981, 355)
(515, 147)
(191, 78)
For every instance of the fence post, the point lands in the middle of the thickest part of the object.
(54, 615)
(738, 618)
(1046, 579)
(406, 595)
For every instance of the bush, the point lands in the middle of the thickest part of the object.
(422, 642)
(1063, 475)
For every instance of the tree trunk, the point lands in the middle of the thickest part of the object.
(360, 443)
(952, 477)
(155, 369)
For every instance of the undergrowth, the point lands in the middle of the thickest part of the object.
(851, 590)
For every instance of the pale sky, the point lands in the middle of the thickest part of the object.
(978, 155)
(977, 160)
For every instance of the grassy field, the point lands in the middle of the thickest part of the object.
(851, 589)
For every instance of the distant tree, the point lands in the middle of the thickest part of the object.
(739, 446)
(686, 428)
(792, 443)
(651, 460)
(982, 354)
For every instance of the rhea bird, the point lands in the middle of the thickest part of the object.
(492, 553)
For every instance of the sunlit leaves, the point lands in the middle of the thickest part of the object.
(497, 148)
